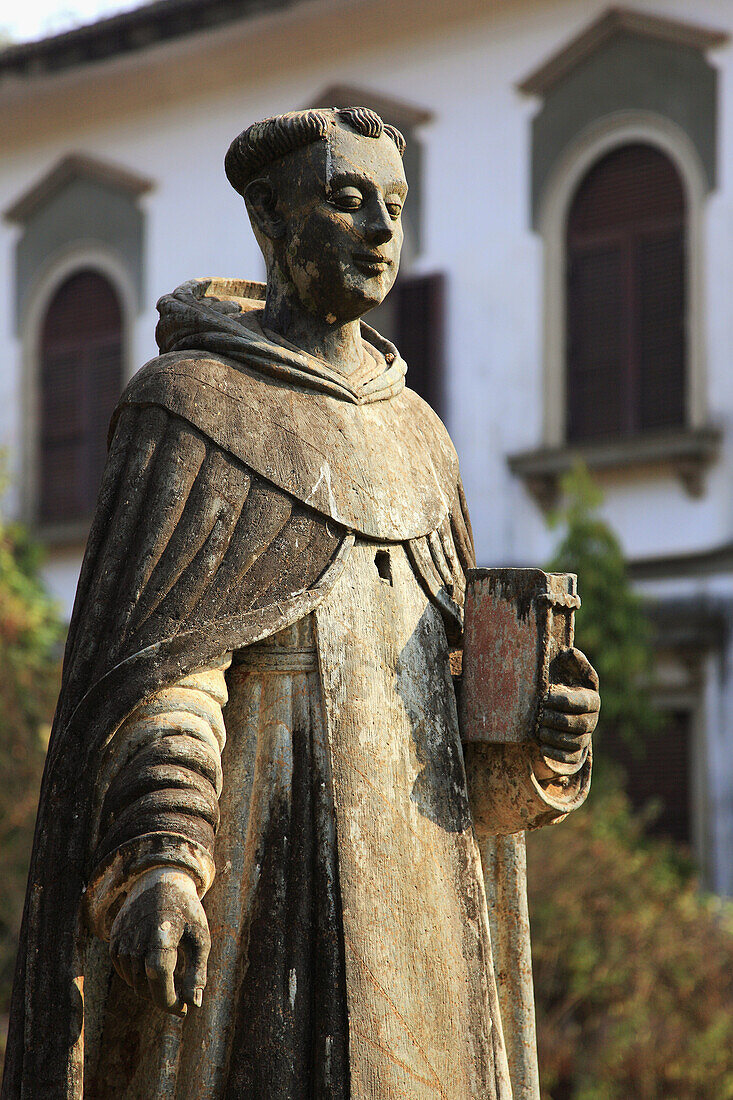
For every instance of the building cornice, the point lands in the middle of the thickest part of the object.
(683, 566)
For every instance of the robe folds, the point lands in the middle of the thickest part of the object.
(257, 691)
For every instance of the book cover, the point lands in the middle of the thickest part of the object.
(516, 622)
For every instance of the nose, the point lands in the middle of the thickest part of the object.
(379, 225)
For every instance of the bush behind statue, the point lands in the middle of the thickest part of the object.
(30, 642)
(633, 966)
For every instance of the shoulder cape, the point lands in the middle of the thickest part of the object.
(363, 450)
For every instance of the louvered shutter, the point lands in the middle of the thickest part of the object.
(626, 297)
(596, 403)
(419, 335)
(80, 381)
(662, 389)
(659, 773)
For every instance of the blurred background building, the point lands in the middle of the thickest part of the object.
(565, 288)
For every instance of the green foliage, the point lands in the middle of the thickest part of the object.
(611, 627)
(30, 640)
(633, 967)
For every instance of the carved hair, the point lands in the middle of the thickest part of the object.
(264, 142)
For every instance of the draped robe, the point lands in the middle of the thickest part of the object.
(257, 690)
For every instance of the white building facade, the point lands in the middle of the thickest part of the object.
(531, 123)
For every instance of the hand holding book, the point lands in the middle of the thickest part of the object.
(569, 712)
(523, 680)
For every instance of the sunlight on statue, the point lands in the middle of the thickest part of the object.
(257, 872)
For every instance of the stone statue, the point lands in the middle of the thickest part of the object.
(255, 873)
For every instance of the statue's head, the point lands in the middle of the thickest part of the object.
(324, 190)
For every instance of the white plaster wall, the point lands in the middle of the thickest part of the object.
(476, 229)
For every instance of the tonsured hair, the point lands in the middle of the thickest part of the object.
(264, 142)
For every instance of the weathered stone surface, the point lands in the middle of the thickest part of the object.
(517, 622)
(257, 691)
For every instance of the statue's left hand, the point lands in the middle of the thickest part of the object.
(570, 712)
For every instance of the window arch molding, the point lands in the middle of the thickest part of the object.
(62, 265)
(610, 133)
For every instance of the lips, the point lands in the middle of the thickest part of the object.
(373, 262)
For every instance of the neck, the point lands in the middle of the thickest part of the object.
(340, 345)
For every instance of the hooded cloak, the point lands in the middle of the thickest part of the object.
(241, 476)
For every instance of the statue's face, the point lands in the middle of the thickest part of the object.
(342, 201)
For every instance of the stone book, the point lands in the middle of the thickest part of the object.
(516, 622)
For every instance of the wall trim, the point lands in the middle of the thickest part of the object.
(713, 561)
(390, 109)
(687, 453)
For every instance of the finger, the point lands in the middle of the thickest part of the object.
(574, 667)
(568, 742)
(565, 757)
(571, 723)
(196, 944)
(160, 965)
(561, 769)
(572, 700)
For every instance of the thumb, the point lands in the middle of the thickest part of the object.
(573, 668)
(195, 944)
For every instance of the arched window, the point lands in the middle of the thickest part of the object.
(80, 381)
(626, 297)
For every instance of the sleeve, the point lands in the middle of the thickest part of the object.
(190, 556)
(185, 537)
(507, 794)
(159, 786)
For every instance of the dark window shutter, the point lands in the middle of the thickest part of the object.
(80, 381)
(659, 773)
(662, 389)
(595, 343)
(419, 334)
(626, 298)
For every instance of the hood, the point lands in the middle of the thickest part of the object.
(224, 317)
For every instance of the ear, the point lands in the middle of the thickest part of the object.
(261, 201)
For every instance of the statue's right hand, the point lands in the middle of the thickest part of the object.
(160, 917)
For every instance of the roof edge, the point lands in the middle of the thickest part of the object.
(127, 32)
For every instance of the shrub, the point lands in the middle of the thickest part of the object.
(30, 641)
(633, 967)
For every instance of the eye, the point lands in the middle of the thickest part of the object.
(394, 203)
(347, 198)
